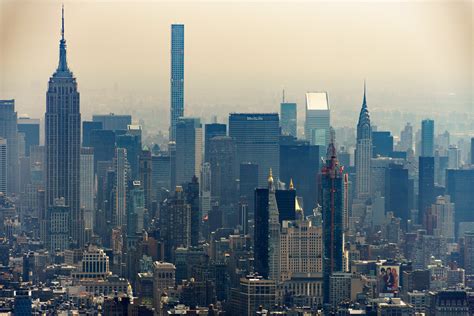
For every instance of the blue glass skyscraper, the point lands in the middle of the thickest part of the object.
(427, 138)
(177, 77)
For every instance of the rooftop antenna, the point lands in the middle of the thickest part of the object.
(62, 24)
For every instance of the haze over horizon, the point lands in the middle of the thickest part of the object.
(240, 56)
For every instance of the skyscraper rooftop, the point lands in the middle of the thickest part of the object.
(317, 101)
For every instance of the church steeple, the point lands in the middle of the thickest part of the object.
(62, 67)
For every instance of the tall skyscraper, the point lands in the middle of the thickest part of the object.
(87, 186)
(175, 222)
(288, 120)
(427, 138)
(188, 149)
(317, 124)
(426, 193)
(212, 130)
(87, 128)
(459, 184)
(363, 153)
(121, 182)
(406, 138)
(472, 151)
(222, 159)
(9, 131)
(248, 176)
(300, 161)
(382, 142)
(332, 202)
(3, 165)
(63, 141)
(398, 191)
(274, 257)
(257, 138)
(177, 77)
(31, 129)
(454, 157)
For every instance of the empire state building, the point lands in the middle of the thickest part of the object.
(62, 142)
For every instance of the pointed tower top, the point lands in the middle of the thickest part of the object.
(270, 176)
(292, 187)
(62, 24)
(364, 102)
(63, 69)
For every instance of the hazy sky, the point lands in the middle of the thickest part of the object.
(240, 55)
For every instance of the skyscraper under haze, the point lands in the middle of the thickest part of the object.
(210, 131)
(188, 149)
(288, 121)
(31, 129)
(317, 124)
(63, 140)
(177, 77)
(9, 131)
(363, 153)
(331, 198)
(3, 165)
(257, 139)
(426, 189)
(427, 138)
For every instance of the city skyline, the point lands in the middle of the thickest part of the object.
(363, 212)
(427, 75)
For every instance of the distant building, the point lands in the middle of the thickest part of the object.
(288, 119)
(163, 279)
(31, 129)
(113, 122)
(398, 192)
(210, 131)
(426, 181)
(87, 128)
(454, 157)
(121, 181)
(161, 174)
(301, 248)
(63, 142)
(93, 265)
(59, 223)
(427, 138)
(3, 165)
(177, 77)
(363, 152)
(459, 184)
(406, 138)
(188, 149)
(317, 122)
(9, 132)
(257, 140)
(331, 200)
(443, 211)
(382, 144)
(299, 161)
(87, 191)
(252, 293)
(175, 222)
(222, 158)
(448, 302)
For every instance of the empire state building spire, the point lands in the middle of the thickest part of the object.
(62, 67)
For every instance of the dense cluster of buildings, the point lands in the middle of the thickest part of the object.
(252, 217)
